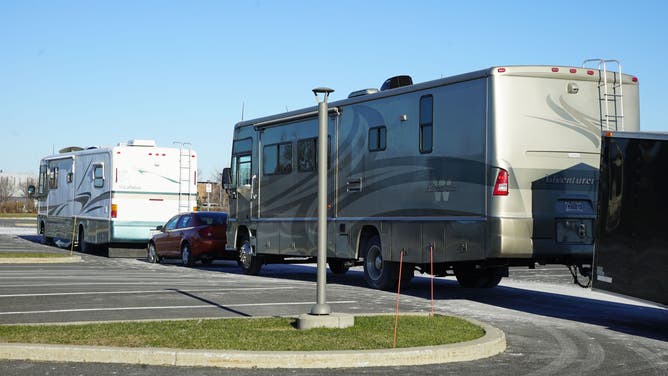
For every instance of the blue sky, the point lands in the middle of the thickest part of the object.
(101, 72)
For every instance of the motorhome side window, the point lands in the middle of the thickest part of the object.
(277, 159)
(307, 154)
(53, 178)
(244, 170)
(426, 123)
(377, 138)
(98, 176)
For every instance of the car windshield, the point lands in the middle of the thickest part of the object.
(212, 218)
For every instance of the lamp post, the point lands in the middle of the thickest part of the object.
(322, 308)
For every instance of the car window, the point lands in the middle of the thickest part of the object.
(184, 221)
(212, 218)
(171, 224)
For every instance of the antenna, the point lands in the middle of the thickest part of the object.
(243, 105)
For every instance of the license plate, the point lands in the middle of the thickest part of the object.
(574, 206)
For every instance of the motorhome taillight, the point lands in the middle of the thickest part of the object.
(114, 210)
(501, 185)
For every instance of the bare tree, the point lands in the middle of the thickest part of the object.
(7, 188)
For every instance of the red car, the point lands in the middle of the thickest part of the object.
(191, 237)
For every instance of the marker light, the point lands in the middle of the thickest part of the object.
(114, 210)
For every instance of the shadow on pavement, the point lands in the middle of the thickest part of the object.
(649, 322)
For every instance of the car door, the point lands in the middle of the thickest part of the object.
(166, 243)
(182, 229)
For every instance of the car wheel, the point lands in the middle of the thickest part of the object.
(248, 261)
(469, 277)
(338, 266)
(186, 255)
(378, 273)
(153, 257)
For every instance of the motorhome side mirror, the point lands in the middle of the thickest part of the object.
(227, 178)
(31, 190)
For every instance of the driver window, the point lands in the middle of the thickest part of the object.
(171, 224)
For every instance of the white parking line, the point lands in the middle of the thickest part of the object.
(207, 306)
(167, 290)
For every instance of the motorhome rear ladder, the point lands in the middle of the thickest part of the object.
(185, 173)
(610, 93)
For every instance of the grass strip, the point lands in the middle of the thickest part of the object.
(253, 334)
(31, 255)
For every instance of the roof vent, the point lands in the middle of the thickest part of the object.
(396, 81)
(137, 142)
(362, 92)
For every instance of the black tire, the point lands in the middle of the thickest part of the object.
(45, 239)
(378, 273)
(250, 263)
(470, 277)
(153, 257)
(83, 247)
(338, 266)
(186, 255)
(407, 274)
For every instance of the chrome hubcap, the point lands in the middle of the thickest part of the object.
(245, 255)
(374, 263)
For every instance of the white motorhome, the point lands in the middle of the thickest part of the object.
(113, 195)
(467, 174)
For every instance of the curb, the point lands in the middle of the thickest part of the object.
(40, 260)
(492, 343)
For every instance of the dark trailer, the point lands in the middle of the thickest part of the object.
(631, 255)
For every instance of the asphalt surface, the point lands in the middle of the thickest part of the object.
(552, 327)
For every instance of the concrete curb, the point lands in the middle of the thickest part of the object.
(41, 260)
(492, 343)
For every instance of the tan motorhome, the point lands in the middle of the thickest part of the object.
(465, 175)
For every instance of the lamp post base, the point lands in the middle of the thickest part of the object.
(334, 320)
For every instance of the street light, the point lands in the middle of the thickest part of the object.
(322, 308)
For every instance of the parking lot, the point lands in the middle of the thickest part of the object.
(552, 326)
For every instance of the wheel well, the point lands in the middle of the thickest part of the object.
(242, 233)
(366, 233)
